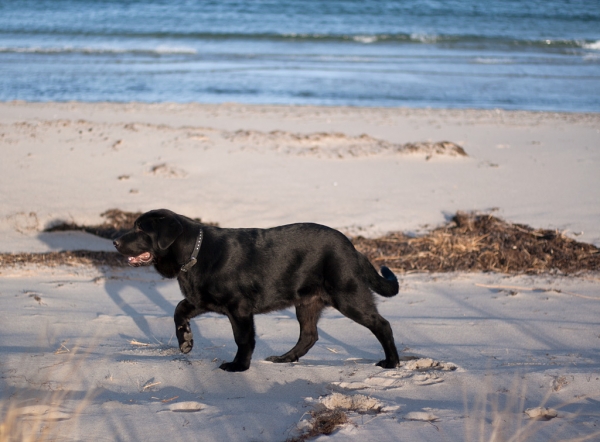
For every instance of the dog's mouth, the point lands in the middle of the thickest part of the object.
(140, 260)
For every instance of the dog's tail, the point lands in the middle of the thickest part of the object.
(385, 285)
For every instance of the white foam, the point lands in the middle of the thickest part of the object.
(365, 38)
(424, 38)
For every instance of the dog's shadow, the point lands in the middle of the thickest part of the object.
(118, 281)
(116, 287)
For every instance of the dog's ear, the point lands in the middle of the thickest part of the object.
(164, 230)
(167, 231)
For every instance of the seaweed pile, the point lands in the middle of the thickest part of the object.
(482, 243)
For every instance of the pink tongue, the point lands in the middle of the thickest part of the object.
(140, 258)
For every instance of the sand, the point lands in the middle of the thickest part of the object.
(91, 351)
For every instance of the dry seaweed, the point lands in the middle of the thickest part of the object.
(65, 258)
(469, 242)
(117, 223)
(482, 243)
(326, 421)
(323, 422)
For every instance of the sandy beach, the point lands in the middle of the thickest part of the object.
(89, 352)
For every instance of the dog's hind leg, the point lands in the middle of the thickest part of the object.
(184, 311)
(308, 313)
(365, 313)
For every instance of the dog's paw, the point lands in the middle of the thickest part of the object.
(185, 338)
(186, 346)
(280, 359)
(233, 366)
(387, 364)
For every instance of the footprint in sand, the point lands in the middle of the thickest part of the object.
(166, 171)
(387, 380)
(426, 364)
(427, 379)
(24, 222)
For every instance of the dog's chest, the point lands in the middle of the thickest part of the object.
(190, 288)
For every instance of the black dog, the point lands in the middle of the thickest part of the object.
(241, 272)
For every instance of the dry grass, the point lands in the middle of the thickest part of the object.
(469, 242)
(44, 410)
(501, 415)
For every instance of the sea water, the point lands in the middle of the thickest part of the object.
(536, 55)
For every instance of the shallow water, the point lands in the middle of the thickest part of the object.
(496, 54)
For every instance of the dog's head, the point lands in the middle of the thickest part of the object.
(153, 234)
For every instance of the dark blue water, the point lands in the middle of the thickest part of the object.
(539, 55)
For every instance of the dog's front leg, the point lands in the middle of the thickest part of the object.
(243, 332)
(184, 311)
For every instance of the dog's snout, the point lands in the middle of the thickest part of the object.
(116, 243)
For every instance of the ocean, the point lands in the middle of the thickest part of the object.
(508, 54)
